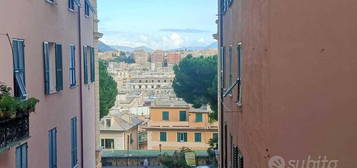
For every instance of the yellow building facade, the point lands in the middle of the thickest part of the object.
(173, 127)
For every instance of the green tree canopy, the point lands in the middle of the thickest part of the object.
(107, 89)
(196, 81)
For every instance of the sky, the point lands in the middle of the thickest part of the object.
(158, 24)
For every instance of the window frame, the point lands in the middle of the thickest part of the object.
(181, 135)
(71, 5)
(48, 69)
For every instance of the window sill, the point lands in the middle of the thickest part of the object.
(73, 86)
(51, 2)
(71, 10)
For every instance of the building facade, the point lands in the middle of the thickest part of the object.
(287, 83)
(173, 126)
(47, 51)
(119, 131)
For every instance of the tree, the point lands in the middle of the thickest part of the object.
(196, 82)
(107, 89)
(176, 160)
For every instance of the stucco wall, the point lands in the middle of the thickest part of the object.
(36, 22)
(299, 65)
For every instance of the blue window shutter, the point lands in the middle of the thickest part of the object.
(72, 68)
(92, 64)
(198, 137)
(85, 65)
(185, 137)
(198, 117)
(55, 148)
(163, 136)
(165, 115)
(19, 68)
(59, 68)
(178, 137)
(46, 67)
(18, 158)
(50, 157)
(183, 116)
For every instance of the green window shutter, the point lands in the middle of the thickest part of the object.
(198, 117)
(198, 137)
(85, 65)
(59, 67)
(178, 137)
(183, 116)
(163, 136)
(185, 137)
(165, 116)
(46, 67)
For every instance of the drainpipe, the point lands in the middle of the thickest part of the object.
(220, 89)
(80, 81)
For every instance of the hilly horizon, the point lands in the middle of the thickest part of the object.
(105, 47)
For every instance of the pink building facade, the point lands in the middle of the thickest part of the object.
(57, 42)
(288, 83)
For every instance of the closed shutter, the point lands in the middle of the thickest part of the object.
(59, 68)
(185, 137)
(198, 117)
(165, 115)
(74, 141)
(178, 137)
(92, 64)
(72, 66)
(183, 116)
(163, 136)
(18, 158)
(46, 67)
(85, 65)
(197, 137)
(52, 148)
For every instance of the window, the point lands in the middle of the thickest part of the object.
(86, 7)
(108, 143)
(165, 115)
(21, 156)
(74, 157)
(183, 116)
(72, 66)
(53, 67)
(71, 4)
(88, 51)
(108, 122)
(19, 69)
(163, 136)
(239, 74)
(52, 148)
(238, 161)
(215, 136)
(181, 137)
(92, 64)
(85, 64)
(198, 117)
(230, 50)
(198, 137)
(223, 66)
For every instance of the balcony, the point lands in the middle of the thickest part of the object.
(13, 132)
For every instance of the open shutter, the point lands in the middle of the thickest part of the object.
(85, 65)
(46, 67)
(59, 68)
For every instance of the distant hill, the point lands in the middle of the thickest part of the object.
(104, 47)
(131, 49)
(212, 45)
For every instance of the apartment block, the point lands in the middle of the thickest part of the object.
(173, 124)
(287, 83)
(48, 51)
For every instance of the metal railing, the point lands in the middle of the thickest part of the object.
(13, 131)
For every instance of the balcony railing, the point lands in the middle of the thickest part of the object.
(13, 131)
